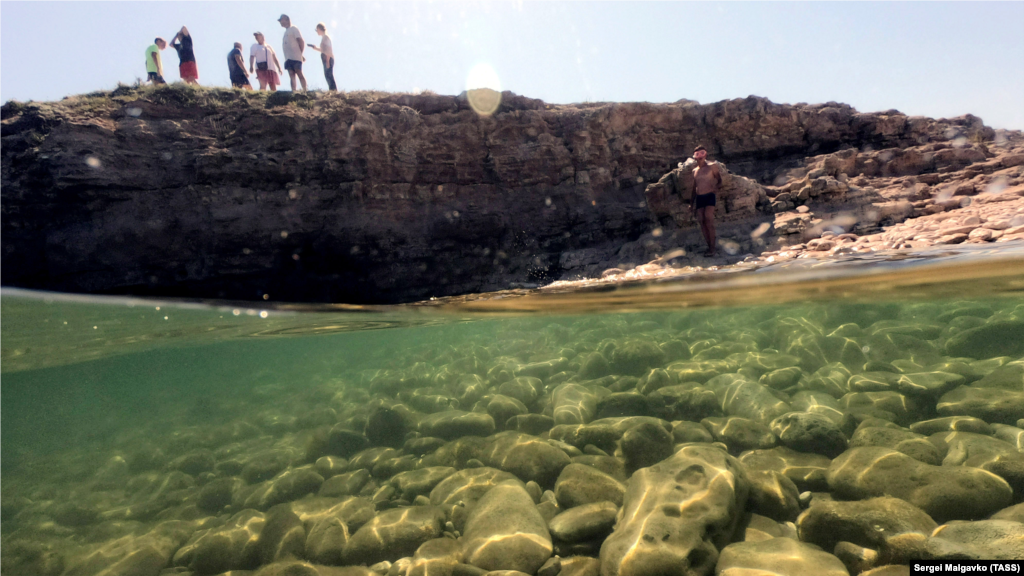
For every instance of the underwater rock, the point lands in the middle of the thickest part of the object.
(610, 465)
(265, 465)
(773, 495)
(528, 457)
(741, 397)
(782, 378)
(988, 404)
(645, 445)
(623, 404)
(457, 494)
(1008, 377)
(996, 338)
(533, 424)
(950, 424)
(503, 408)
(866, 523)
(393, 534)
(928, 384)
(343, 442)
(194, 463)
(522, 388)
(345, 484)
(684, 402)
(420, 482)
(900, 408)
(677, 514)
(585, 522)
(807, 471)
(996, 539)
(943, 492)
(604, 433)
(809, 432)
(386, 427)
(740, 434)
(635, 357)
(914, 445)
(289, 485)
(326, 540)
(422, 445)
(573, 404)
(594, 366)
(683, 432)
(580, 566)
(329, 466)
(579, 484)
(146, 553)
(778, 556)
(283, 536)
(453, 424)
(506, 532)
(217, 494)
(436, 557)
(232, 546)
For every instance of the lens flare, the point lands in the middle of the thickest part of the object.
(483, 89)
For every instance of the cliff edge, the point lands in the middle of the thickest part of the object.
(370, 197)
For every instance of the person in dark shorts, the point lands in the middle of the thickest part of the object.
(182, 43)
(154, 66)
(236, 68)
(293, 47)
(707, 180)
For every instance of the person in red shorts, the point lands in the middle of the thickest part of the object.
(182, 43)
(263, 61)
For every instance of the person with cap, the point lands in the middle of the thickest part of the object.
(326, 51)
(263, 60)
(236, 68)
(293, 47)
(154, 67)
(707, 180)
(182, 44)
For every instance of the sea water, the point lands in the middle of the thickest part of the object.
(118, 414)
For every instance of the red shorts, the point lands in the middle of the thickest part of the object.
(188, 71)
(269, 76)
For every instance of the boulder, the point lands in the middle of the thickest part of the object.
(677, 514)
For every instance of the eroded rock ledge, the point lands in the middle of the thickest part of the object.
(376, 198)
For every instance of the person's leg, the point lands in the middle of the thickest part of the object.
(302, 79)
(329, 74)
(709, 225)
(701, 222)
(291, 76)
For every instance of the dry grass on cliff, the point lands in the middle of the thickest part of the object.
(210, 99)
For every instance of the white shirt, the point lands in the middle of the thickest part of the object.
(325, 46)
(291, 47)
(262, 52)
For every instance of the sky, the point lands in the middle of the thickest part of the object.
(937, 59)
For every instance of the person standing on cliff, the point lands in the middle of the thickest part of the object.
(707, 180)
(326, 51)
(182, 44)
(293, 47)
(267, 67)
(236, 68)
(154, 67)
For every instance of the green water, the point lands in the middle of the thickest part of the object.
(101, 396)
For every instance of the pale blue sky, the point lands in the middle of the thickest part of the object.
(923, 58)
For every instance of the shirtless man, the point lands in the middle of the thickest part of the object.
(706, 181)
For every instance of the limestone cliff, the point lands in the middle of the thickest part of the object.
(372, 197)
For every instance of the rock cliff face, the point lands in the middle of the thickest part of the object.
(377, 198)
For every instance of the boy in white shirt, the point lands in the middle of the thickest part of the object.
(263, 61)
